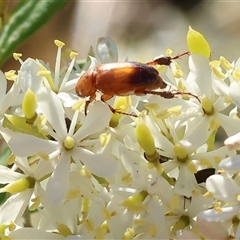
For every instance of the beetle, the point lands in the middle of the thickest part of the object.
(124, 79)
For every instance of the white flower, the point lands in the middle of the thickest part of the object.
(68, 144)
(16, 204)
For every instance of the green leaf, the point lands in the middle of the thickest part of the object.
(24, 20)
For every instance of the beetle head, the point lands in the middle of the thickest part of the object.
(86, 84)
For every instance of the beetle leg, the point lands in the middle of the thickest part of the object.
(168, 94)
(105, 97)
(88, 102)
(165, 60)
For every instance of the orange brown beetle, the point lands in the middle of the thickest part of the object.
(123, 79)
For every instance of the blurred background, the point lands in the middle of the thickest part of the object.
(141, 29)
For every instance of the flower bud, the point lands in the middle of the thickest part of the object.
(197, 43)
(146, 141)
(29, 105)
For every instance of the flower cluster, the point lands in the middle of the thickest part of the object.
(112, 175)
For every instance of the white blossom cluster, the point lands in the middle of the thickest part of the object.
(160, 175)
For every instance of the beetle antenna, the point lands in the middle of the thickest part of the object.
(166, 60)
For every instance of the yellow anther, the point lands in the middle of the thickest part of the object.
(168, 52)
(104, 139)
(59, 43)
(73, 54)
(85, 171)
(129, 234)
(10, 75)
(218, 72)
(63, 229)
(178, 73)
(36, 202)
(122, 104)
(215, 63)
(73, 193)
(16, 56)
(151, 106)
(192, 167)
(152, 230)
(225, 63)
(236, 74)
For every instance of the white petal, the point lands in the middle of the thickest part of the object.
(9, 98)
(201, 131)
(212, 230)
(223, 188)
(98, 164)
(237, 234)
(6, 133)
(131, 163)
(186, 182)
(8, 176)
(24, 145)
(84, 184)
(36, 234)
(185, 234)
(14, 207)
(230, 125)
(97, 118)
(157, 213)
(68, 99)
(3, 86)
(231, 164)
(22, 163)
(78, 237)
(58, 183)
(28, 76)
(233, 142)
(217, 216)
(200, 75)
(43, 168)
(234, 92)
(51, 106)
